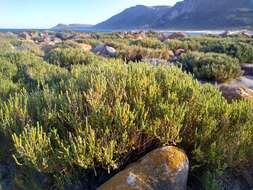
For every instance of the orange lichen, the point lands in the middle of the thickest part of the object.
(150, 168)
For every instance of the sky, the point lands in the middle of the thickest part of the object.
(48, 13)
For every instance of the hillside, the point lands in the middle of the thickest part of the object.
(72, 26)
(139, 16)
(188, 14)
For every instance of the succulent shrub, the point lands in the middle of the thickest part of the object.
(66, 57)
(187, 43)
(7, 69)
(240, 50)
(108, 111)
(102, 114)
(211, 66)
(148, 43)
(136, 53)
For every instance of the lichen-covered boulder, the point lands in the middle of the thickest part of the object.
(235, 92)
(162, 169)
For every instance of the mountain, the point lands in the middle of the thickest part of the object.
(72, 26)
(208, 14)
(187, 14)
(138, 17)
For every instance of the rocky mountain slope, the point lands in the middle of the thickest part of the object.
(187, 14)
(139, 16)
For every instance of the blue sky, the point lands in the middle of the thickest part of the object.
(47, 13)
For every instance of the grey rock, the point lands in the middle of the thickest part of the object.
(105, 50)
(247, 68)
(64, 35)
(155, 61)
(2, 172)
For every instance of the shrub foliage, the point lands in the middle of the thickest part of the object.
(78, 111)
(211, 66)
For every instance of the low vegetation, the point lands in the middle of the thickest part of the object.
(66, 57)
(211, 66)
(240, 50)
(72, 112)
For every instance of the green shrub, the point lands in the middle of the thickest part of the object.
(34, 145)
(44, 73)
(20, 58)
(110, 110)
(14, 114)
(187, 43)
(102, 115)
(29, 70)
(239, 50)
(7, 69)
(7, 87)
(20, 45)
(211, 66)
(136, 53)
(67, 57)
(148, 43)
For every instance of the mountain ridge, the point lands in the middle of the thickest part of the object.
(187, 14)
(139, 16)
(72, 26)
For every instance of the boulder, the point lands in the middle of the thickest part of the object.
(171, 53)
(247, 68)
(86, 47)
(245, 34)
(163, 37)
(64, 35)
(235, 92)
(25, 47)
(225, 34)
(105, 50)
(177, 35)
(139, 35)
(56, 40)
(24, 36)
(178, 52)
(46, 47)
(162, 169)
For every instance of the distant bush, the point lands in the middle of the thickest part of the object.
(20, 58)
(7, 87)
(136, 53)
(5, 42)
(66, 57)
(239, 50)
(188, 44)
(20, 45)
(148, 43)
(211, 66)
(7, 69)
